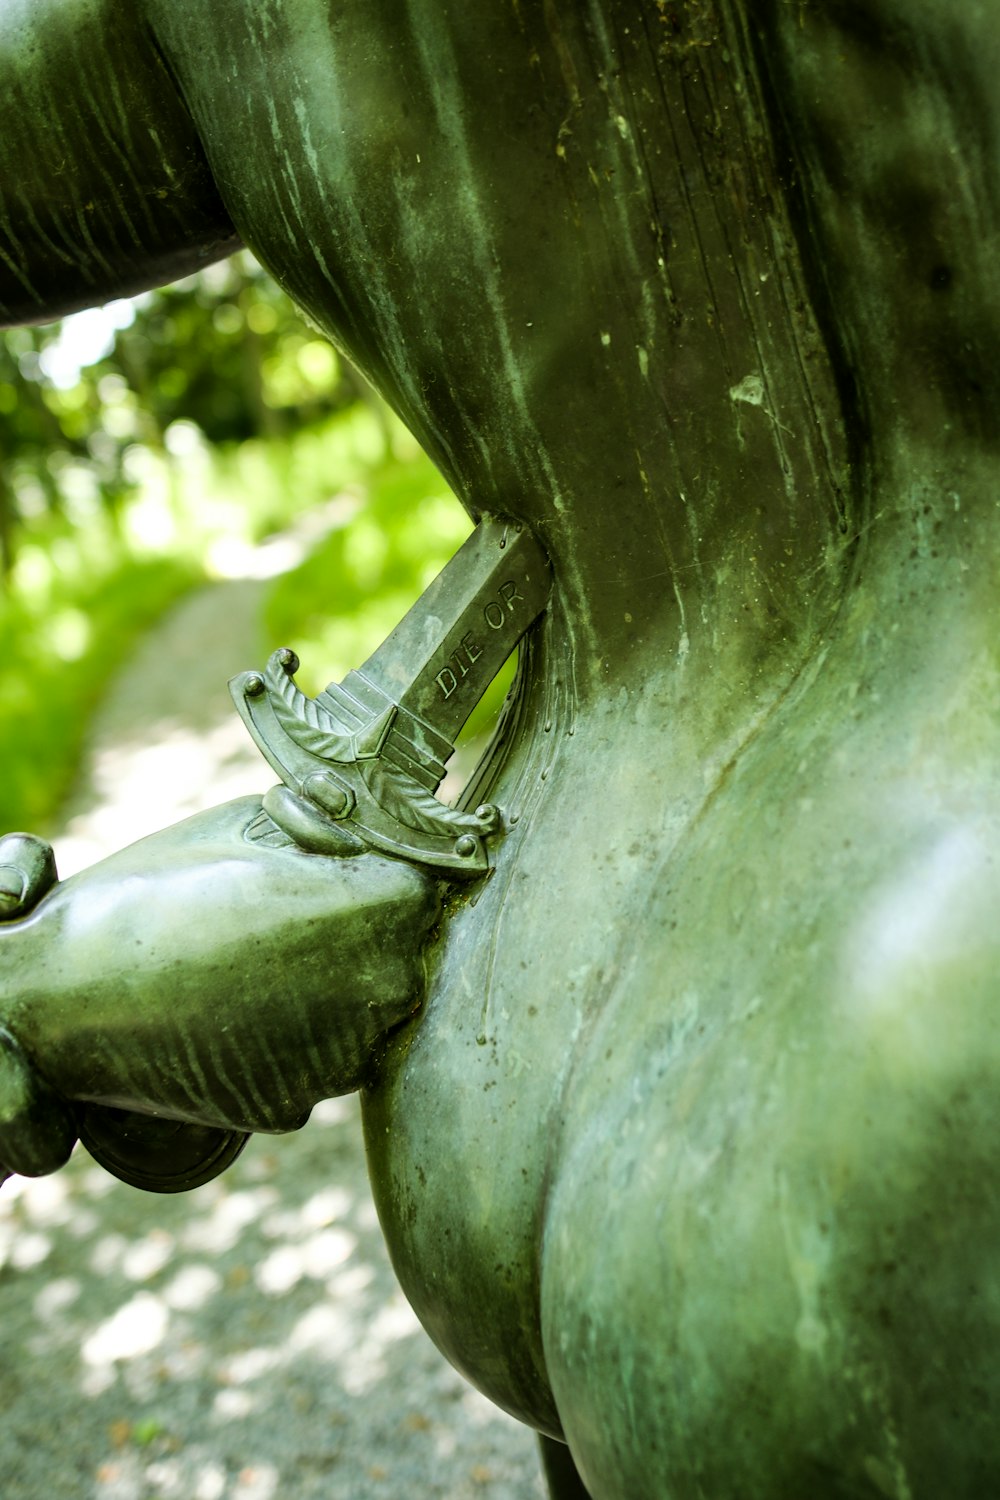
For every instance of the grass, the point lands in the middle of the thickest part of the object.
(59, 646)
(82, 592)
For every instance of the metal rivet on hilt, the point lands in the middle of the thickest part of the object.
(288, 660)
(253, 686)
(466, 846)
(489, 815)
(335, 800)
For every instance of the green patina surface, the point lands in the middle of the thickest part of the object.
(687, 1158)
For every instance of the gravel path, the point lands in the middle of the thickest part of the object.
(245, 1341)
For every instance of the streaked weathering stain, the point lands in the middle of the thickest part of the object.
(544, 232)
(136, 205)
(697, 293)
(351, 148)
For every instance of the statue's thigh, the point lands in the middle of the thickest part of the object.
(769, 1263)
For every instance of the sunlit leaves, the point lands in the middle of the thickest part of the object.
(224, 350)
(157, 448)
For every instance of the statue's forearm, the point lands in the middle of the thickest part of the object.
(210, 979)
(104, 187)
(197, 986)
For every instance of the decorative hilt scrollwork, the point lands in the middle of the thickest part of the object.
(361, 762)
(345, 773)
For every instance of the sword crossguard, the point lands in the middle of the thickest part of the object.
(342, 774)
(364, 759)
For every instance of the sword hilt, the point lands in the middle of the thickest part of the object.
(368, 754)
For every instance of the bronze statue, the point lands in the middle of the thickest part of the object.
(684, 1158)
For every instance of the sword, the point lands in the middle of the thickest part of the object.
(361, 762)
(359, 766)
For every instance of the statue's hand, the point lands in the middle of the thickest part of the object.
(203, 980)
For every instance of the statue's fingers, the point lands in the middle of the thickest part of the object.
(27, 873)
(37, 1128)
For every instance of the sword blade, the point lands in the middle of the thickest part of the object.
(442, 656)
(343, 751)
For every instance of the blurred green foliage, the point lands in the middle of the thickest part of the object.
(148, 447)
(224, 351)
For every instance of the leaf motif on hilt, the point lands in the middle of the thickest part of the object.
(406, 801)
(302, 718)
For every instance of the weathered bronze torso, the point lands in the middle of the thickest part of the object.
(687, 1158)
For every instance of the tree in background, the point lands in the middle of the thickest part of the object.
(141, 447)
(224, 350)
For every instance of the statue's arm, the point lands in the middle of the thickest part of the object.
(104, 187)
(214, 976)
